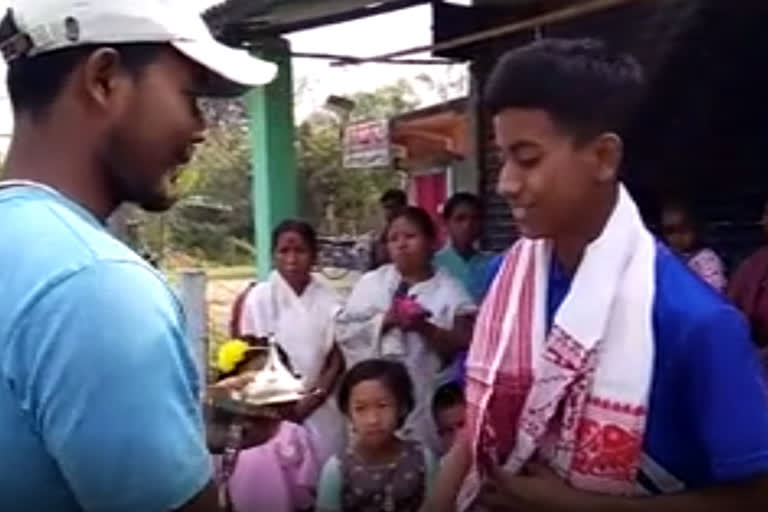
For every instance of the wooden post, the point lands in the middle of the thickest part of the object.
(193, 284)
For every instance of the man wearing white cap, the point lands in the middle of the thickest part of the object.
(99, 406)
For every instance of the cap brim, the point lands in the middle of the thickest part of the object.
(232, 71)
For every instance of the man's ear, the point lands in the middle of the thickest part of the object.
(103, 79)
(608, 151)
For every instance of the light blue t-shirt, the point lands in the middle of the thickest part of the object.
(99, 407)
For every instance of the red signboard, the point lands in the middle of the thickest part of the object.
(367, 145)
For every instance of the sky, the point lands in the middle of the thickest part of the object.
(365, 37)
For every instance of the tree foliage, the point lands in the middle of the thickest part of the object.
(346, 200)
(214, 221)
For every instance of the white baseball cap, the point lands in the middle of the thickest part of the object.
(49, 25)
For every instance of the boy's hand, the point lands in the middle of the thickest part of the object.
(537, 489)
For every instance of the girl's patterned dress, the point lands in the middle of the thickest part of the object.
(399, 486)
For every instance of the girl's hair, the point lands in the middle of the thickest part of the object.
(418, 217)
(459, 199)
(301, 228)
(392, 374)
(253, 341)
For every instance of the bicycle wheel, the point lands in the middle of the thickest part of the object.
(329, 267)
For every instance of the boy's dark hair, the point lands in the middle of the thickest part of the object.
(583, 85)
(394, 195)
(447, 395)
(417, 216)
(392, 374)
(35, 82)
(458, 199)
(301, 228)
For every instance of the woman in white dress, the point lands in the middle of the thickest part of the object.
(299, 310)
(412, 312)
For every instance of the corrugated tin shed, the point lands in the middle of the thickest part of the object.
(240, 22)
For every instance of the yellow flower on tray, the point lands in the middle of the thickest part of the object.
(230, 354)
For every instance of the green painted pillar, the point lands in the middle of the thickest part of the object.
(275, 179)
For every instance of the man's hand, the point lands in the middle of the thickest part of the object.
(256, 431)
(537, 489)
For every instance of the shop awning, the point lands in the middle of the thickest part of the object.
(243, 21)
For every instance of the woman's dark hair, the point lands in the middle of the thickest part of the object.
(459, 199)
(301, 228)
(35, 82)
(253, 341)
(583, 85)
(417, 216)
(391, 374)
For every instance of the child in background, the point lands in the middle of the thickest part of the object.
(448, 409)
(280, 475)
(379, 472)
(461, 258)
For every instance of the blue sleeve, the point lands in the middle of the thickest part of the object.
(491, 270)
(728, 398)
(112, 387)
(329, 487)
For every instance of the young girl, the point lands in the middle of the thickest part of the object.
(379, 472)
(279, 475)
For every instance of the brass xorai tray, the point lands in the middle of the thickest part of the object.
(271, 391)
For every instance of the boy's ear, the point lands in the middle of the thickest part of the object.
(609, 150)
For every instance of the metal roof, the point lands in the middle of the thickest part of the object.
(241, 21)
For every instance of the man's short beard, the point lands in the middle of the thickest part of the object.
(125, 185)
